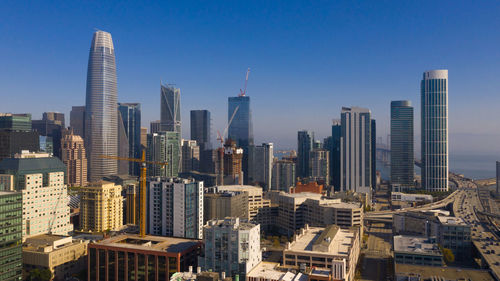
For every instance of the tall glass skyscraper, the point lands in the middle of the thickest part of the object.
(131, 117)
(241, 129)
(402, 153)
(305, 141)
(170, 109)
(200, 128)
(335, 164)
(434, 102)
(101, 114)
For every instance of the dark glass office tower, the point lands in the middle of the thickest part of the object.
(101, 115)
(335, 154)
(77, 120)
(200, 128)
(16, 134)
(52, 126)
(305, 141)
(170, 109)
(373, 152)
(131, 117)
(241, 129)
(402, 153)
(434, 103)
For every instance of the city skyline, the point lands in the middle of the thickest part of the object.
(329, 83)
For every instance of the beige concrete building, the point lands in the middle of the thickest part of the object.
(62, 255)
(6, 182)
(101, 207)
(222, 204)
(73, 156)
(190, 156)
(256, 201)
(298, 209)
(332, 248)
(132, 213)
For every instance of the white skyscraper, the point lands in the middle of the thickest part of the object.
(101, 113)
(434, 103)
(356, 150)
(175, 207)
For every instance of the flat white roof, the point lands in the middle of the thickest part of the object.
(341, 242)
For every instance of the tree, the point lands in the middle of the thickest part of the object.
(447, 255)
(40, 275)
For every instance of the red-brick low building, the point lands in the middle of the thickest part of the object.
(149, 258)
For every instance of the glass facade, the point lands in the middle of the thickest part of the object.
(241, 129)
(101, 114)
(170, 109)
(434, 102)
(131, 116)
(304, 146)
(164, 147)
(335, 154)
(402, 153)
(200, 128)
(10, 236)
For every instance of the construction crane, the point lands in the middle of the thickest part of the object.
(220, 138)
(142, 184)
(244, 91)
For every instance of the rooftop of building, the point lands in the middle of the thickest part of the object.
(304, 195)
(100, 184)
(47, 243)
(451, 220)
(239, 187)
(170, 180)
(415, 245)
(335, 241)
(235, 223)
(271, 271)
(442, 273)
(2, 193)
(150, 243)
(337, 203)
(33, 164)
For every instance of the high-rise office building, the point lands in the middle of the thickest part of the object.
(11, 227)
(434, 125)
(305, 141)
(200, 128)
(46, 145)
(261, 165)
(170, 108)
(74, 157)
(164, 147)
(101, 115)
(16, 135)
(57, 117)
(319, 165)
(335, 164)
(231, 246)
(356, 158)
(51, 125)
(144, 137)
(241, 128)
(175, 207)
(402, 153)
(283, 175)
(221, 204)
(77, 120)
(123, 147)
(131, 117)
(40, 179)
(373, 152)
(190, 156)
(498, 176)
(101, 207)
(155, 126)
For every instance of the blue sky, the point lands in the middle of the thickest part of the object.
(307, 59)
